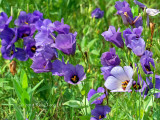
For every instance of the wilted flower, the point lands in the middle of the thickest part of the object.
(145, 60)
(12, 67)
(100, 99)
(99, 112)
(58, 67)
(121, 79)
(66, 43)
(113, 36)
(40, 64)
(97, 13)
(74, 75)
(4, 20)
(110, 58)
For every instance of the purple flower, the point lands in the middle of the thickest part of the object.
(40, 64)
(49, 52)
(45, 24)
(4, 20)
(28, 19)
(134, 41)
(100, 99)
(74, 75)
(66, 43)
(58, 67)
(110, 58)
(97, 13)
(139, 85)
(100, 112)
(8, 36)
(145, 60)
(141, 5)
(21, 54)
(106, 71)
(122, 8)
(150, 86)
(60, 27)
(113, 36)
(121, 79)
(8, 53)
(44, 37)
(30, 47)
(24, 31)
(157, 85)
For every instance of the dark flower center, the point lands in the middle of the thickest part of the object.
(74, 79)
(124, 84)
(11, 53)
(147, 68)
(33, 49)
(101, 116)
(136, 86)
(25, 35)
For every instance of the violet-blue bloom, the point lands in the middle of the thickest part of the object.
(28, 19)
(58, 67)
(113, 36)
(49, 52)
(97, 13)
(74, 74)
(8, 53)
(44, 37)
(60, 27)
(8, 36)
(145, 60)
(100, 99)
(106, 71)
(30, 47)
(21, 54)
(110, 58)
(66, 43)
(122, 8)
(150, 86)
(40, 64)
(4, 20)
(100, 111)
(24, 31)
(46, 23)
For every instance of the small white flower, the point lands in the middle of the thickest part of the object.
(152, 12)
(121, 79)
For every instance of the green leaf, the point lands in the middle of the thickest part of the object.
(148, 102)
(91, 43)
(73, 103)
(94, 97)
(36, 86)
(24, 80)
(25, 98)
(153, 91)
(86, 117)
(18, 89)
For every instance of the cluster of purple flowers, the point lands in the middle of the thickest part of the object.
(100, 111)
(118, 79)
(41, 38)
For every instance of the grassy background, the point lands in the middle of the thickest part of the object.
(46, 102)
